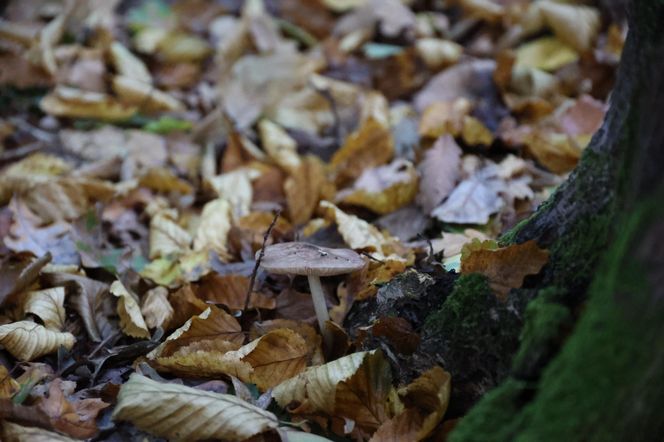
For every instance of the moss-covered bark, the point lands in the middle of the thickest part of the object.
(602, 385)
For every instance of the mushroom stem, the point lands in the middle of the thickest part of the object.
(320, 306)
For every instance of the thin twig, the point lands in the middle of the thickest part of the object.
(258, 260)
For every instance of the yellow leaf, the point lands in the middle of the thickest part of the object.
(155, 307)
(558, 152)
(546, 53)
(184, 413)
(178, 47)
(128, 64)
(131, 319)
(303, 189)
(384, 189)
(371, 145)
(444, 118)
(8, 385)
(75, 103)
(32, 170)
(161, 179)
(48, 305)
(26, 340)
(475, 133)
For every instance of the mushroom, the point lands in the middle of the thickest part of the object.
(300, 258)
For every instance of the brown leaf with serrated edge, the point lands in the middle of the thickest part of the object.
(506, 267)
(77, 418)
(231, 291)
(370, 146)
(425, 401)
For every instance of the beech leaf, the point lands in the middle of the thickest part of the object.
(26, 340)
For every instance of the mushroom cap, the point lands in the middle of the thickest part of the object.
(301, 258)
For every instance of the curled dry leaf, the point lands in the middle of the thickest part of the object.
(425, 401)
(18, 433)
(371, 145)
(144, 96)
(383, 189)
(439, 171)
(274, 357)
(127, 64)
(26, 340)
(505, 267)
(48, 305)
(576, 25)
(155, 307)
(184, 413)
(354, 387)
(131, 318)
(280, 146)
(76, 418)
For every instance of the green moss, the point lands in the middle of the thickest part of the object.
(497, 417)
(545, 324)
(474, 332)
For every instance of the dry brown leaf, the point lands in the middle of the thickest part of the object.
(398, 332)
(311, 338)
(155, 307)
(383, 189)
(231, 291)
(48, 305)
(131, 318)
(304, 188)
(185, 305)
(161, 179)
(184, 413)
(506, 267)
(19, 433)
(26, 340)
(444, 118)
(274, 357)
(556, 151)
(8, 385)
(425, 401)
(354, 387)
(77, 418)
(439, 170)
(371, 145)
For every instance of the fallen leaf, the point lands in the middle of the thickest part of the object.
(184, 413)
(26, 340)
(473, 201)
(48, 305)
(439, 171)
(506, 267)
(398, 332)
(383, 189)
(155, 307)
(75, 103)
(185, 305)
(546, 53)
(8, 385)
(304, 189)
(18, 433)
(576, 25)
(131, 318)
(161, 179)
(77, 418)
(371, 145)
(166, 236)
(127, 64)
(144, 96)
(231, 291)
(236, 188)
(280, 146)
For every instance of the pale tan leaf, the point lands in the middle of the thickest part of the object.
(215, 223)
(131, 319)
(576, 25)
(128, 64)
(18, 433)
(48, 305)
(155, 307)
(166, 236)
(161, 179)
(184, 413)
(26, 340)
(236, 187)
(437, 53)
(280, 146)
(143, 95)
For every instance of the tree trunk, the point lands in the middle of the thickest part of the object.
(605, 230)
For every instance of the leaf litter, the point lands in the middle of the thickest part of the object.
(146, 148)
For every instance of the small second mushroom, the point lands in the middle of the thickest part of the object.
(300, 258)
